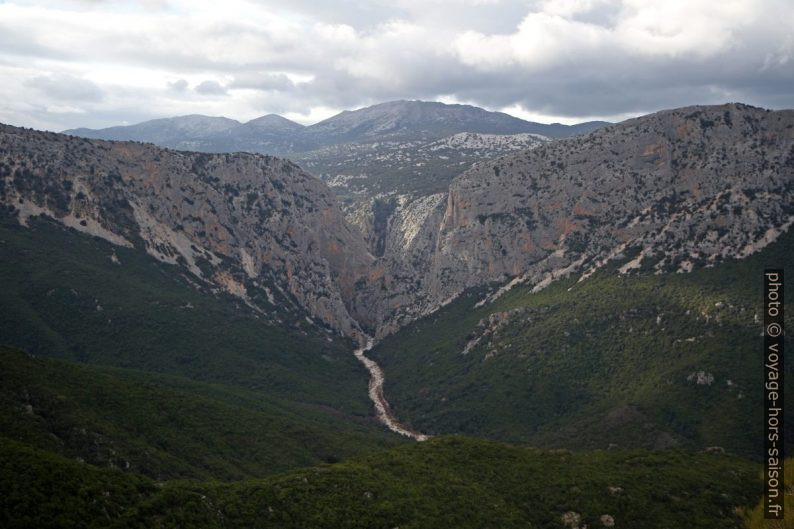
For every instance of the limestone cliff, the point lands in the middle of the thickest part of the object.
(255, 226)
(667, 192)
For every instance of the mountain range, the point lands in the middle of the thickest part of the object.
(400, 150)
(678, 189)
(276, 135)
(592, 293)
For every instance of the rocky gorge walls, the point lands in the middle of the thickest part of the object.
(254, 226)
(671, 191)
(668, 192)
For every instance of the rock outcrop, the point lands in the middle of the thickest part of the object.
(667, 192)
(241, 223)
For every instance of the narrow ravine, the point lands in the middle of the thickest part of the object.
(382, 410)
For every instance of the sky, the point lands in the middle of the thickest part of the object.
(98, 63)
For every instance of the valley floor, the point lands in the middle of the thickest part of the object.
(382, 409)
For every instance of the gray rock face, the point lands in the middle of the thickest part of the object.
(376, 182)
(671, 191)
(254, 226)
(411, 148)
(413, 168)
(665, 193)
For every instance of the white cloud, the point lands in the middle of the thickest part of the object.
(64, 87)
(554, 35)
(679, 27)
(64, 109)
(312, 115)
(554, 60)
(541, 40)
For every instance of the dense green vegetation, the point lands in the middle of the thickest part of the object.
(41, 489)
(183, 382)
(61, 295)
(445, 482)
(755, 517)
(166, 381)
(609, 360)
(167, 427)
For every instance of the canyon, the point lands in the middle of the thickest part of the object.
(676, 190)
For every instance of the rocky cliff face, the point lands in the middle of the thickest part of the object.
(377, 183)
(670, 191)
(665, 193)
(255, 226)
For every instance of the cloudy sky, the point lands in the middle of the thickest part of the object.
(98, 63)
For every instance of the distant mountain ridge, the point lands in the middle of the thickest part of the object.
(162, 130)
(274, 134)
(398, 150)
(429, 120)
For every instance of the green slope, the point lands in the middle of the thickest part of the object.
(182, 382)
(610, 360)
(755, 516)
(167, 427)
(61, 295)
(443, 483)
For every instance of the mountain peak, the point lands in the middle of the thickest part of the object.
(402, 118)
(200, 124)
(273, 121)
(160, 131)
